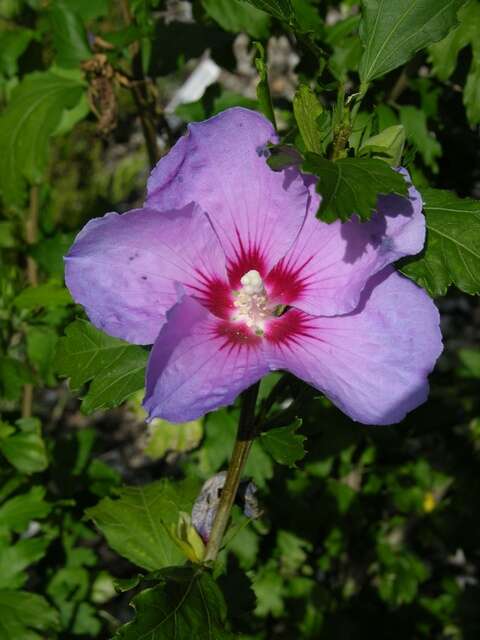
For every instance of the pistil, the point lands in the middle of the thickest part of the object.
(251, 302)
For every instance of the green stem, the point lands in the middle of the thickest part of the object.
(340, 142)
(243, 444)
(341, 131)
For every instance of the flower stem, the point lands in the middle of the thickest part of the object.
(243, 444)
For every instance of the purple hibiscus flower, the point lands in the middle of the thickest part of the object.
(229, 274)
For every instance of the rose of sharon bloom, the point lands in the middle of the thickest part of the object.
(229, 274)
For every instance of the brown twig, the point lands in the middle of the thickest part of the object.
(31, 234)
(141, 94)
(31, 237)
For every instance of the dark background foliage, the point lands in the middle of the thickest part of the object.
(374, 531)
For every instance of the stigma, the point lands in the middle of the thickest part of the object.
(251, 302)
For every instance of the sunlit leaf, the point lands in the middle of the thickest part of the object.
(14, 43)
(31, 116)
(24, 447)
(263, 90)
(45, 295)
(388, 144)
(307, 108)
(69, 35)
(236, 15)
(392, 32)
(14, 374)
(41, 346)
(165, 436)
(22, 614)
(114, 368)
(135, 523)
(17, 512)
(15, 558)
(284, 444)
(416, 128)
(452, 251)
(281, 9)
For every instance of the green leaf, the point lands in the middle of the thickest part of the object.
(388, 144)
(342, 36)
(416, 128)
(292, 551)
(282, 156)
(164, 436)
(361, 130)
(122, 378)
(49, 252)
(23, 613)
(14, 43)
(444, 56)
(470, 360)
(263, 90)
(17, 557)
(385, 116)
(281, 9)
(135, 524)
(25, 448)
(392, 32)
(352, 185)
(88, 10)
(343, 494)
(269, 587)
(236, 15)
(186, 604)
(115, 368)
(41, 348)
(284, 444)
(70, 117)
(69, 588)
(13, 376)
(103, 589)
(103, 478)
(217, 446)
(69, 36)
(452, 250)
(16, 513)
(400, 575)
(244, 541)
(45, 295)
(7, 235)
(307, 16)
(31, 116)
(307, 108)
(471, 93)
